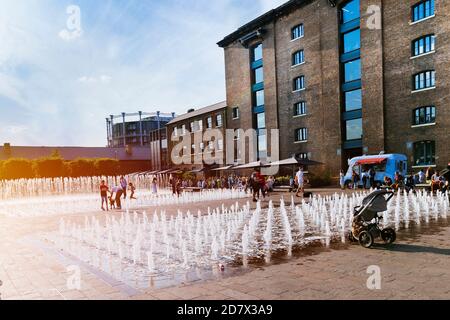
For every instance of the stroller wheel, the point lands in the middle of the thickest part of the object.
(351, 238)
(389, 235)
(365, 239)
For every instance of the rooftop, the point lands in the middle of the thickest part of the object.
(262, 20)
(196, 113)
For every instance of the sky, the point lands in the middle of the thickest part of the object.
(62, 73)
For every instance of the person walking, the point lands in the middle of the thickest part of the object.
(104, 194)
(124, 184)
(300, 180)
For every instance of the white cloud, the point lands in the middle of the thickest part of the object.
(134, 55)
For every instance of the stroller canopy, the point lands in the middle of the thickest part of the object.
(374, 203)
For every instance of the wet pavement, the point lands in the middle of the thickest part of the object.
(417, 266)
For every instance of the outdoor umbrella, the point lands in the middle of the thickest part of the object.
(252, 165)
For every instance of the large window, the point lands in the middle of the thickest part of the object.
(423, 45)
(299, 83)
(301, 135)
(298, 57)
(352, 70)
(422, 10)
(354, 129)
(259, 98)
(260, 120)
(257, 52)
(425, 153)
(209, 122)
(424, 80)
(351, 41)
(350, 11)
(258, 75)
(300, 108)
(219, 121)
(353, 100)
(424, 115)
(297, 32)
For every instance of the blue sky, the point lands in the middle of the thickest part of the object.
(130, 55)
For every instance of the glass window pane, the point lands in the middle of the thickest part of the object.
(354, 129)
(352, 70)
(259, 75)
(259, 98)
(353, 100)
(257, 52)
(352, 40)
(350, 11)
(262, 142)
(260, 120)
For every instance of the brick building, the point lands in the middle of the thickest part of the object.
(199, 122)
(344, 78)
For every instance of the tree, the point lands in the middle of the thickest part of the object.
(49, 167)
(82, 167)
(107, 167)
(17, 168)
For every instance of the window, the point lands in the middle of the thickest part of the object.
(259, 98)
(220, 144)
(300, 108)
(193, 126)
(257, 52)
(351, 41)
(352, 70)
(258, 75)
(260, 120)
(262, 145)
(424, 80)
(303, 156)
(425, 153)
(422, 10)
(209, 122)
(353, 100)
(301, 135)
(423, 45)
(297, 32)
(236, 113)
(353, 129)
(219, 120)
(298, 57)
(299, 83)
(424, 115)
(200, 125)
(350, 11)
(175, 132)
(183, 129)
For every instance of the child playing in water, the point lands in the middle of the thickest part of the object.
(132, 188)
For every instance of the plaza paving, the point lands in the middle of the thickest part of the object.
(417, 267)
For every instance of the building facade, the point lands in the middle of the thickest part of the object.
(159, 153)
(199, 138)
(344, 78)
(133, 129)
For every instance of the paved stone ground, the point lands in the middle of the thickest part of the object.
(418, 267)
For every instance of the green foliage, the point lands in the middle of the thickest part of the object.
(283, 181)
(50, 167)
(82, 168)
(188, 176)
(107, 167)
(16, 168)
(55, 167)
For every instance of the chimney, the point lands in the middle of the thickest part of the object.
(7, 150)
(190, 110)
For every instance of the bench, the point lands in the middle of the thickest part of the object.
(191, 189)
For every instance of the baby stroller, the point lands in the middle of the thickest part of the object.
(366, 220)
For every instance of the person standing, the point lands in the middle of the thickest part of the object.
(372, 174)
(342, 179)
(124, 184)
(132, 190)
(300, 179)
(104, 194)
(154, 186)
